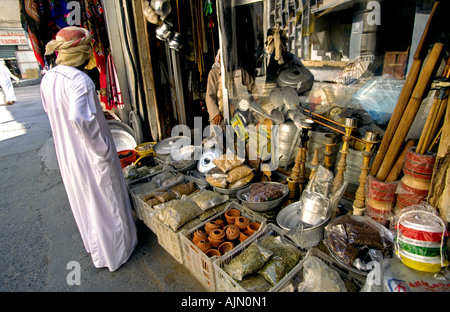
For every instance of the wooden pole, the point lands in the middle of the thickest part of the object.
(429, 122)
(422, 86)
(404, 96)
(397, 168)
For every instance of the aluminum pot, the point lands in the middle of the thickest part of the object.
(314, 208)
(164, 147)
(310, 236)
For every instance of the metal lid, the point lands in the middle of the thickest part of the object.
(299, 78)
(205, 162)
(164, 147)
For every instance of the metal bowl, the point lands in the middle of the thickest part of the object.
(229, 191)
(123, 140)
(288, 219)
(262, 206)
(186, 158)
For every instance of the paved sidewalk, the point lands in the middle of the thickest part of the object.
(38, 232)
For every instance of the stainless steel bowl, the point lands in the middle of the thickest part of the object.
(310, 236)
(262, 206)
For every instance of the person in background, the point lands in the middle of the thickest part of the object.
(86, 153)
(5, 83)
(214, 94)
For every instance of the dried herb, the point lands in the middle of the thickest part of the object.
(241, 182)
(273, 271)
(178, 212)
(238, 173)
(206, 199)
(217, 182)
(226, 162)
(255, 283)
(164, 196)
(183, 189)
(247, 262)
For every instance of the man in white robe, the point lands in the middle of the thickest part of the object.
(5, 83)
(86, 153)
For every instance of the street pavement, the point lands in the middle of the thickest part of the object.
(39, 237)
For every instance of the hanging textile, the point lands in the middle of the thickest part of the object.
(95, 23)
(113, 91)
(39, 22)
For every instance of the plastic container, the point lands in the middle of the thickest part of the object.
(417, 231)
(126, 161)
(225, 283)
(199, 264)
(145, 149)
(146, 213)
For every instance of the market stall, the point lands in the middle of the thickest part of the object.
(310, 185)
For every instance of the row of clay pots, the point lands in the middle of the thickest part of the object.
(216, 237)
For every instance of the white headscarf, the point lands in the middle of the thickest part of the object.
(217, 59)
(73, 45)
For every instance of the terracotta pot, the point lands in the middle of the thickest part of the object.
(220, 222)
(241, 222)
(252, 227)
(209, 226)
(203, 245)
(232, 232)
(213, 252)
(225, 247)
(216, 237)
(231, 214)
(242, 236)
(199, 235)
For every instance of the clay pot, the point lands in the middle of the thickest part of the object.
(231, 214)
(203, 245)
(213, 252)
(242, 237)
(209, 226)
(252, 227)
(241, 222)
(232, 232)
(225, 247)
(216, 237)
(199, 235)
(220, 222)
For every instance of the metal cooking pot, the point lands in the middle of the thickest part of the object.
(286, 131)
(314, 208)
(164, 147)
(298, 77)
(288, 218)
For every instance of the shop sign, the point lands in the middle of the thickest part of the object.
(12, 37)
